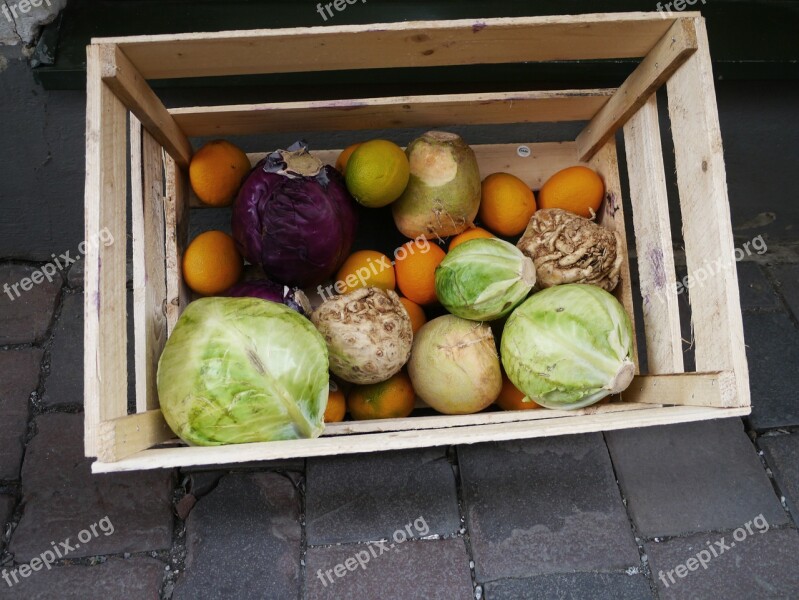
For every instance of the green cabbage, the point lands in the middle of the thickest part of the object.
(484, 279)
(239, 370)
(569, 346)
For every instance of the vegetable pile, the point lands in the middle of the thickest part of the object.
(501, 322)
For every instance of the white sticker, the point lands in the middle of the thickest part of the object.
(523, 151)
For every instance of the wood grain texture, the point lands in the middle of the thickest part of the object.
(707, 228)
(650, 207)
(393, 112)
(404, 44)
(149, 273)
(611, 215)
(130, 434)
(670, 52)
(176, 232)
(105, 332)
(378, 442)
(130, 87)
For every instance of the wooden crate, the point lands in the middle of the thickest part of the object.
(674, 51)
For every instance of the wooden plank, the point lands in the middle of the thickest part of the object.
(377, 442)
(176, 225)
(149, 273)
(656, 272)
(611, 215)
(130, 434)
(130, 87)
(403, 44)
(105, 338)
(670, 52)
(707, 228)
(533, 167)
(715, 390)
(393, 112)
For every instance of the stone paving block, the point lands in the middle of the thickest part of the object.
(429, 569)
(760, 565)
(359, 498)
(772, 348)
(544, 506)
(6, 510)
(61, 498)
(243, 540)
(25, 318)
(19, 370)
(787, 277)
(64, 384)
(782, 455)
(135, 578)
(691, 477)
(756, 291)
(572, 586)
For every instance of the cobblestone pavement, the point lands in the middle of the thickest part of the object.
(700, 510)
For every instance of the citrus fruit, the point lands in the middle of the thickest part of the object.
(507, 204)
(510, 398)
(472, 233)
(390, 399)
(377, 173)
(344, 157)
(365, 268)
(336, 406)
(216, 172)
(416, 270)
(211, 263)
(415, 312)
(576, 189)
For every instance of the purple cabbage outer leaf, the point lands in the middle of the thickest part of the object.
(264, 289)
(295, 218)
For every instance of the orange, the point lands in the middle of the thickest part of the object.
(415, 312)
(365, 268)
(344, 157)
(472, 233)
(416, 270)
(390, 399)
(510, 398)
(576, 189)
(507, 204)
(336, 406)
(217, 171)
(211, 263)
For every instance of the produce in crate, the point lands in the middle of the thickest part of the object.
(567, 248)
(264, 289)
(377, 173)
(239, 370)
(416, 314)
(217, 171)
(211, 263)
(295, 218)
(336, 408)
(390, 399)
(443, 193)
(416, 266)
(365, 268)
(577, 189)
(368, 334)
(569, 346)
(470, 234)
(344, 157)
(484, 279)
(506, 205)
(454, 365)
(511, 398)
